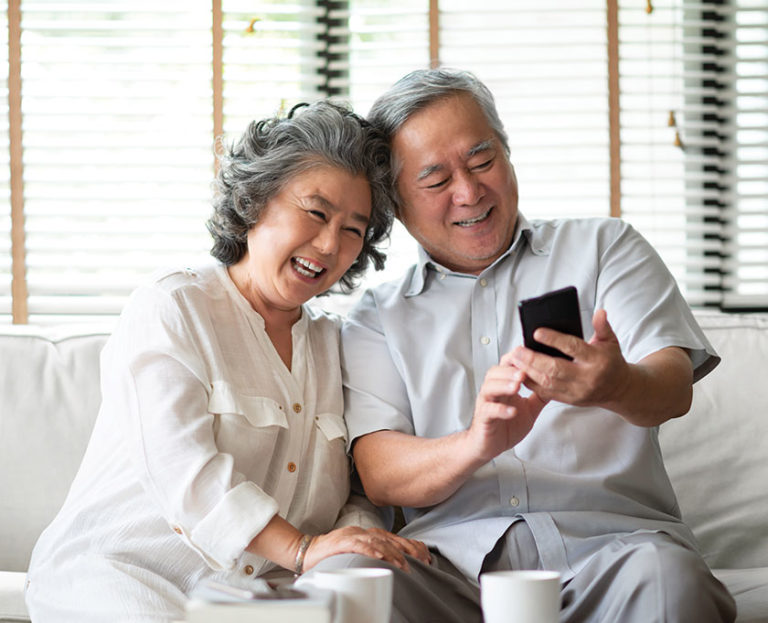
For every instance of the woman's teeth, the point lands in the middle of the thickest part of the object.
(306, 267)
(473, 221)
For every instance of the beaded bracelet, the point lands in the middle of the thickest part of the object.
(303, 547)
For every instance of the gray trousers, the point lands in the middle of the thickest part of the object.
(435, 593)
(645, 577)
(638, 578)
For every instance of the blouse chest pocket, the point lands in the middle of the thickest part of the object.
(257, 411)
(332, 426)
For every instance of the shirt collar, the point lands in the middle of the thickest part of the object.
(539, 244)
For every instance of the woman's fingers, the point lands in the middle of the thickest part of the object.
(377, 544)
(411, 547)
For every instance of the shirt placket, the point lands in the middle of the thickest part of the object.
(486, 328)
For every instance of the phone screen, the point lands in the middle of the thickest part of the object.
(558, 310)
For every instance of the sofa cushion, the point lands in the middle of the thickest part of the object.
(716, 455)
(49, 398)
(12, 607)
(750, 589)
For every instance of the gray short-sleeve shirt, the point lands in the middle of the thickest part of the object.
(415, 352)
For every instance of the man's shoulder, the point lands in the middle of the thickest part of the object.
(382, 299)
(565, 233)
(549, 227)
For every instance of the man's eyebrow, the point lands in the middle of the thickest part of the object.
(480, 147)
(427, 171)
(358, 216)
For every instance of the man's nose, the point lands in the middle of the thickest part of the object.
(466, 188)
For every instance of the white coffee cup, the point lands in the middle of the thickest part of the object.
(363, 595)
(520, 596)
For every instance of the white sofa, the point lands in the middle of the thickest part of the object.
(717, 455)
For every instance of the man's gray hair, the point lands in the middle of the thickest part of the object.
(272, 151)
(418, 89)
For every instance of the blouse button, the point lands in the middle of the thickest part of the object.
(291, 467)
(297, 407)
(513, 501)
(485, 340)
(483, 282)
(248, 570)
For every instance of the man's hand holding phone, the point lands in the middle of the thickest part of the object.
(558, 363)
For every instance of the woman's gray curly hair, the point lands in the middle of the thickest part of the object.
(272, 151)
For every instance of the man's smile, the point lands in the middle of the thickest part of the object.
(474, 221)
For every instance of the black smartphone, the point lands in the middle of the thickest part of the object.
(558, 310)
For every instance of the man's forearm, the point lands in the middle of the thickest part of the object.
(658, 388)
(405, 470)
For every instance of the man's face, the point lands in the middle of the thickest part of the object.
(458, 190)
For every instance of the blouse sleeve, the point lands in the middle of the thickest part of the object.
(155, 382)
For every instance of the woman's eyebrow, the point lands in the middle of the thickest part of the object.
(328, 205)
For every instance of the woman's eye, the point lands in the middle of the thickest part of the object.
(355, 231)
(318, 213)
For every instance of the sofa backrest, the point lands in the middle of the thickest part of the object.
(49, 398)
(717, 454)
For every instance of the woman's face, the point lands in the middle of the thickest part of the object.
(306, 238)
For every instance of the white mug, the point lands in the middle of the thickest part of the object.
(363, 595)
(520, 596)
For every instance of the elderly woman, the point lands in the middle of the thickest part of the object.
(219, 449)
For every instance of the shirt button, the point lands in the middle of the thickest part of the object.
(485, 340)
(176, 529)
(297, 407)
(483, 282)
(513, 501)
(291, 467)
(248, 570)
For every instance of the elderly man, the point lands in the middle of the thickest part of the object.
(502, 457)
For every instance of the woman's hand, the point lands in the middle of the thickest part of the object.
(373, 542)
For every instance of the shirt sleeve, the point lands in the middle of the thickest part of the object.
(375, 396)
(645, 307)
(156, 383)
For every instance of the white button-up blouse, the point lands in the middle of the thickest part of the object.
(202, 437)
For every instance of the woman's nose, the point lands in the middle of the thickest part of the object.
(327, 241)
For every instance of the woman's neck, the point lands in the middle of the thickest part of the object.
(278, 321)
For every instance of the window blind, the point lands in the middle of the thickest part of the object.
(118, 134)
(272, 58)
(693, 100)
(117, 147)
(546, 64)
(5, 191)
(377, 43)
(661, 159)
(746, 247)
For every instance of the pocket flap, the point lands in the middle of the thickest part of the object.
(332, 426)
(258, 410)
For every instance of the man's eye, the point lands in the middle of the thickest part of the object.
(483, 165)
(438, 184)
